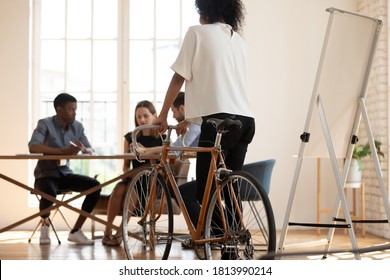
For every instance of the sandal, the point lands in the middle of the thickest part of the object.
(112, 240)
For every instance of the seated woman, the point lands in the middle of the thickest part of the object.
(145, 113)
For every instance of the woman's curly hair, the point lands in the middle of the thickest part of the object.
(231, 12)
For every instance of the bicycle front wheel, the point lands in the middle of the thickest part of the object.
(250, 231)
(147, 217)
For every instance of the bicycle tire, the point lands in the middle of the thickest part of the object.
(149, 233)
(255, 236)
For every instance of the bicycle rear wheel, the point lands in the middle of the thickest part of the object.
(147, 217)
(251, 232)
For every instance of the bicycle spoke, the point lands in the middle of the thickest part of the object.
(147, 217)
(250, 227)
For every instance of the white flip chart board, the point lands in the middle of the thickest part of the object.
(341, 80)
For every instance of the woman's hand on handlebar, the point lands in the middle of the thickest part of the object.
(162, 122)
(132, 149)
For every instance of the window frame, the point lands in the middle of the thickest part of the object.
(124, 114)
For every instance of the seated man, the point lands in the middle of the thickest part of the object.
(191, 139)
(61, 134)
(180, 168)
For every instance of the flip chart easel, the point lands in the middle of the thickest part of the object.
(336, 108)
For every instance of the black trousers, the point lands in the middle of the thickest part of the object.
(187, 192)
(71, 182)
(234, 146)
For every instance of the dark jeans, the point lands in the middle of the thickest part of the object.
(72, 182)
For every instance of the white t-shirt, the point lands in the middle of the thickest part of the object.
(212, 59)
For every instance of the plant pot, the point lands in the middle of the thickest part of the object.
(354, 178)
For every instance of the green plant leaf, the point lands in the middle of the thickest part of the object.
(362, 151)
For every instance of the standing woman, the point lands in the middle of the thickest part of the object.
(212, 63)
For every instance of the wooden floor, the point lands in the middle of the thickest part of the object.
(14, 246)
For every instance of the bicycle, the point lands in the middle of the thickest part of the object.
(238, 222)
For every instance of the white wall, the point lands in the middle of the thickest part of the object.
(284, 40)
(14, 63)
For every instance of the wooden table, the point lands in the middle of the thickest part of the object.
(66, 203)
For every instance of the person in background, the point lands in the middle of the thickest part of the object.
(181, 168)
(191, 138)
(62, 134)
(145, 114)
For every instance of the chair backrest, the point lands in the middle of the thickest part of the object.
(262, 171)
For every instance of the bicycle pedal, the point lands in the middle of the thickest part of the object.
(187, 244)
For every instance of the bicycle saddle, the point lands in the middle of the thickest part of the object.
(224, 125)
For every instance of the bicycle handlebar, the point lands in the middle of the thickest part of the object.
(152, 150)
(222, 126)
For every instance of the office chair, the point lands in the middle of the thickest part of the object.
(57, 211)
(262, 171)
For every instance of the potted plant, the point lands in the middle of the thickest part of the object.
(359, 153)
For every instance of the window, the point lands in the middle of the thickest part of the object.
(110, 55)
